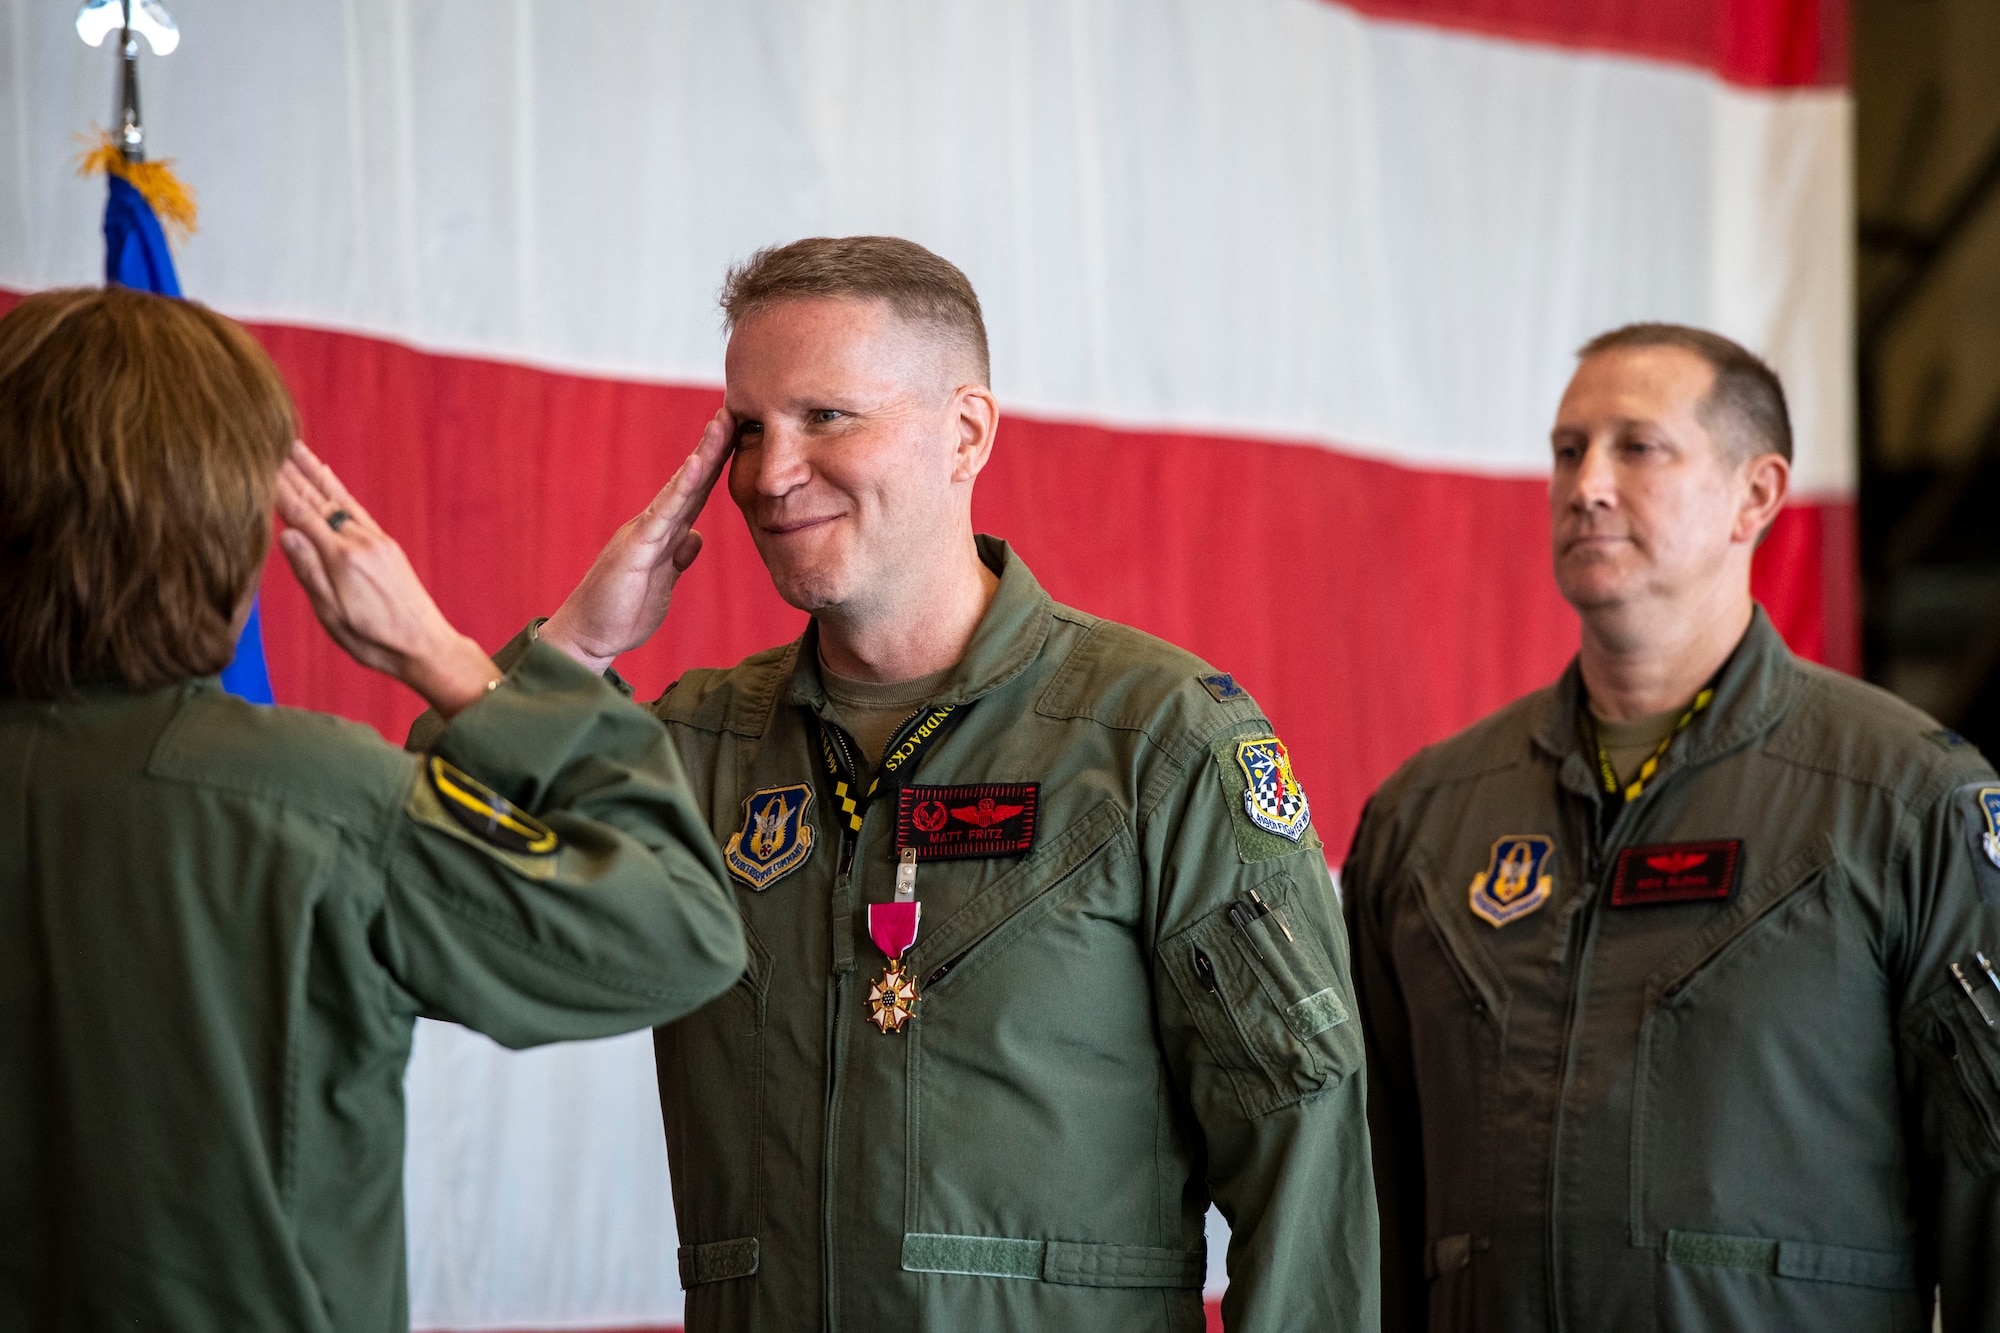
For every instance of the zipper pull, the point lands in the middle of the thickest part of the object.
(1204, 972)
(906, 876)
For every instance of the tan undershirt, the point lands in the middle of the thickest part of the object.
(1631, 743)
(870, 712)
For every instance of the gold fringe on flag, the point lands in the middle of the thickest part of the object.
(172, 202)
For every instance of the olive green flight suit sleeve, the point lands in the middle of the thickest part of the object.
(625, 924)
(1952, 1041)
(1394, 1128)
(1257, 1018)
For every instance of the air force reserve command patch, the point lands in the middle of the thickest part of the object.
(1273, 798)
(775, 838)
(1518, 878)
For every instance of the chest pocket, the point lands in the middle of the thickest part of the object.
(1957, 1037)
(1273, 1010)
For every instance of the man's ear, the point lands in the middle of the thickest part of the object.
(976, 418)
(1767, 480)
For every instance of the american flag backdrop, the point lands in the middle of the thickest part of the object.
(1282, 295)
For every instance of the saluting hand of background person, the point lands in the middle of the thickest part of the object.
(365, 593)
(624, 597)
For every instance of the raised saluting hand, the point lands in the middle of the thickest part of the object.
(365, 593)
(624, 597)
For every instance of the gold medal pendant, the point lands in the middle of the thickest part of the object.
(892, 998)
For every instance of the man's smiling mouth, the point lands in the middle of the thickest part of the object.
(788, 527)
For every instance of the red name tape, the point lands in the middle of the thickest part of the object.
(1675, 872)
(983, 819)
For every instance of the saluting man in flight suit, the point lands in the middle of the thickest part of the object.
(1678, 976)
(1044, 952)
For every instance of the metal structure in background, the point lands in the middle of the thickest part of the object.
(1930, 491)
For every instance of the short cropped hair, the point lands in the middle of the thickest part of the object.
(1744, 409)
(919, 286)
(140, 442)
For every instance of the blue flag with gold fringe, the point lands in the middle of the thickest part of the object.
(136, 256)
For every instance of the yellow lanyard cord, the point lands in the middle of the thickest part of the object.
(1652, 764)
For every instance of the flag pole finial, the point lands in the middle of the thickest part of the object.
(131, 20)
(121, 151)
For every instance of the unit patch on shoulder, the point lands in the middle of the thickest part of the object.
(487, 815)
(1947, 739)
(1273, 798)
(1989, 811)
(775, 838)
(979, 819)
(1269, 813)
(1223, 686)
(1675, 872)
(1518, 878)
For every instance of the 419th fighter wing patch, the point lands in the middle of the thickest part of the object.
(775, 839)
(1989, 811)
(1272, 798)
(1268, 808)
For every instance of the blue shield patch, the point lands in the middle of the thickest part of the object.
(1273, 799)
(1989, 806)
(1517, 878)
(775, 838)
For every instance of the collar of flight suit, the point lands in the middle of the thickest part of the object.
(1755, 689)
(1009, 638)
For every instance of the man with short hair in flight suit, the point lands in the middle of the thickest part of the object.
(1044, 951)
(1678, 976)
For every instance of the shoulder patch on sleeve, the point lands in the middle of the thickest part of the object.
(1980, 806)
(476, 811)
(1268, 809)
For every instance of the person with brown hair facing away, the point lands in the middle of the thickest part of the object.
(1044, 955)
(1677, 975)
(219, 921)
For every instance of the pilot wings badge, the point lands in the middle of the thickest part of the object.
(1273, 798)
(775, 838)
(1516, 880)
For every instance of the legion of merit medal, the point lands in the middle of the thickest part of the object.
(892, 997)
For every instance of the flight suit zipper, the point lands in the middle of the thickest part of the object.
(836, 1034)
(1602, 848)
(846, 893)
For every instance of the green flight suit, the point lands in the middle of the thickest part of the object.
(1038, 1146)
(218, 924)
(1722, 1077)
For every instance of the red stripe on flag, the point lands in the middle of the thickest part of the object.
(1756, 43)
(1371, 608)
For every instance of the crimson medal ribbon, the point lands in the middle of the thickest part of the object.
(892, 997)
(893, 926)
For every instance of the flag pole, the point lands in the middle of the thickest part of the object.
(131, 134)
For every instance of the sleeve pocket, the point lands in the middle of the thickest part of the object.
(1273, 1010)
(1960, 1052)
